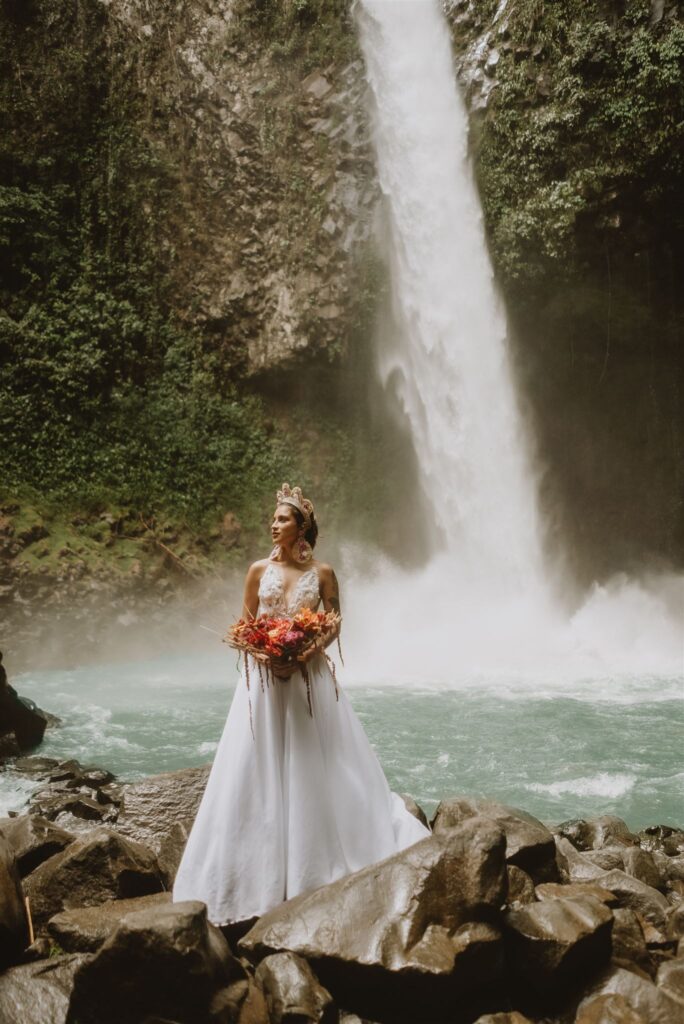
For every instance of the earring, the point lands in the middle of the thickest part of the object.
(302, 551)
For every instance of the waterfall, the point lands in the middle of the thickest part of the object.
(482, 608)
(445, 353)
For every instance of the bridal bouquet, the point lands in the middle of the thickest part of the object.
(282, 642)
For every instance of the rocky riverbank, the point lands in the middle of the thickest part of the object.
(495, 918)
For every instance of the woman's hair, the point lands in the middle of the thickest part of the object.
(312, 533)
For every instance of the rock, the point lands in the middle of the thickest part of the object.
(21, 717)
(554, 890)
(292, 991)
(51, 805)
(165, 961)
(243, 1002)
(608, 858)
(33, 839)
(520, 887)
(152, 806)
(39, 993)
(84, 929)
(414, 809)
(38, 766)
(529, 844)
(503, 1018)
(171, 851)
(653, 1004)
(663, 838)
(552, 943)
(629, 941)
(96, 867)
(574, 866)
(640, 864)
(675, 922)
(317, 85)
(405, 934)
(595, 833)
(640, 897)
(610, 1009)
(14, 931)
(671, 979)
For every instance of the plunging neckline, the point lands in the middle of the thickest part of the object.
(288, 602)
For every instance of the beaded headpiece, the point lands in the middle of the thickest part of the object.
(293, 496)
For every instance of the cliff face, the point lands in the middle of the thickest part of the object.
(576, 129)
(270, 179)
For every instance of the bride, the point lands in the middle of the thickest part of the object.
(302, 800)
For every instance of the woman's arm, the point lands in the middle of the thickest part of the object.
(250, 600)
(330, 595)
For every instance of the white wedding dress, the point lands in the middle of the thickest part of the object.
(297, 805)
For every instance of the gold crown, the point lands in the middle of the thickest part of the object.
(293, 496)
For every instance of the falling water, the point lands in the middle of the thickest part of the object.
(484, 604)
(447, 360)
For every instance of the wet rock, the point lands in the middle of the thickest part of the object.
(608, 858)
(595, 833)
(629, 941)
(520, 887)
(166, 961)
(553, 943)
(573, 865)
(642, 898)
(512, 1017)
(96, 867)
(675, 922)
(39, 767)
(292, 991)
(14, 932)
(609, 1009)
(33, 839)
(84, 929)
(414, 809)
(529, 844)
(554, 890)
(52, 805)
(150, 808)
(171, 851)
(663, 838)
(653, 1004)
(39, 993)
(671, 980)
(641, 865)
(405, 934)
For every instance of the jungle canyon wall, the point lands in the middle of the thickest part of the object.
(187, 201)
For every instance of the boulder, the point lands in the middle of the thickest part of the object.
(608, 858)
(575, 866)
(642, 865)
(629, 941)
(553, 943)
(243, 1002)
(39, 993)
(663, 838)
(529, 844)
(22, 718)
(671, 980)
(652, 1003)
(595, 833)
(292, 991)
(14, 931)
(54, 805)
(609, 1009)
(413, 808)
(406, 934)
(554, 890)
(34, 839)
(165, 961)
(171, 851)
(642, 898)
(150, 807)
(96, 867)
(84, 929)
(520, 887)
(675, 923)
(507, 1017)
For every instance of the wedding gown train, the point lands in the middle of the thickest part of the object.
(297, 805)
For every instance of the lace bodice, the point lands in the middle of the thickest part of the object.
(272, 592)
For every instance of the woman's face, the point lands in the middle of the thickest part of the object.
(284, 528)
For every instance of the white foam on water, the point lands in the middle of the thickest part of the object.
(603, 784)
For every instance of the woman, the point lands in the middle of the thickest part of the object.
(303, 800)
